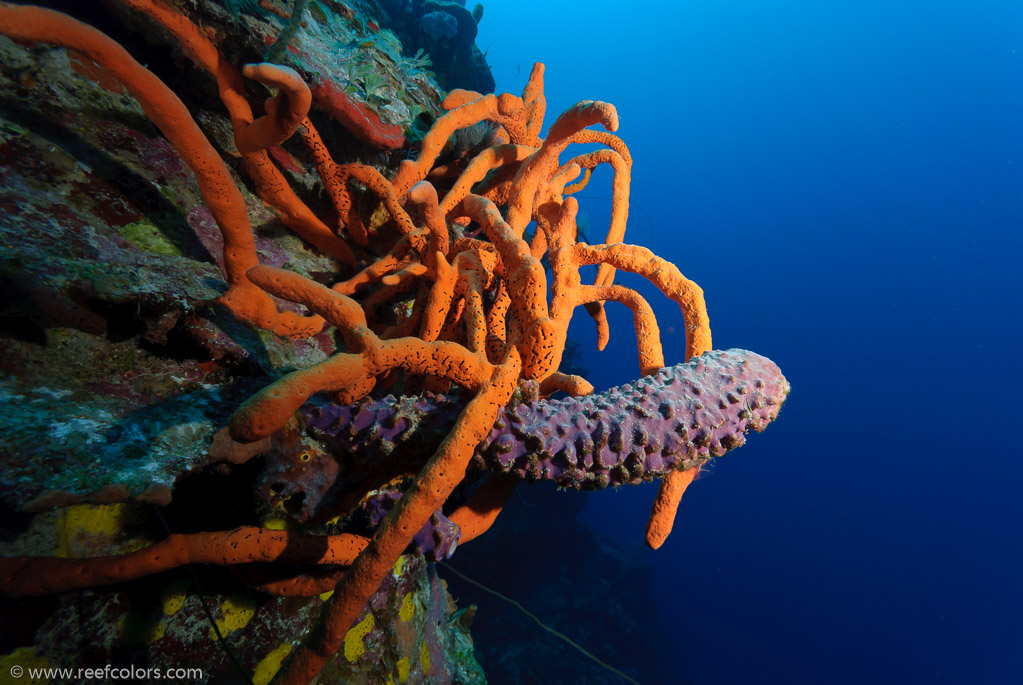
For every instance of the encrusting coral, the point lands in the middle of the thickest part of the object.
(453, 299)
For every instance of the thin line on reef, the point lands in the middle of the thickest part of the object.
(206, 607)
(560, 636)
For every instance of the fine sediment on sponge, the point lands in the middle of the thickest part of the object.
(677, 418)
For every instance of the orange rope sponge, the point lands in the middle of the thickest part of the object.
(446, 292)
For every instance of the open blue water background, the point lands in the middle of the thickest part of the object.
(845, 181)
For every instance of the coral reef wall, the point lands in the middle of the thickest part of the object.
(109, 251)
(117, 371)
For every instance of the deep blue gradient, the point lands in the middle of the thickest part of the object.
(846, 184)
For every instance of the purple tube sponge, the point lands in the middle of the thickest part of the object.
(675, 419)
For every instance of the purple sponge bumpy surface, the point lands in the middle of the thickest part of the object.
(677, 418)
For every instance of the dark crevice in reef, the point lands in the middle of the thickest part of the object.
(216, 497)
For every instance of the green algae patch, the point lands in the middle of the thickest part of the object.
(149, 238)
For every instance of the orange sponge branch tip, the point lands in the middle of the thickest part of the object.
(662, 519)
(285, 111)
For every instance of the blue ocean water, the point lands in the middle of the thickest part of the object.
(845, 181)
